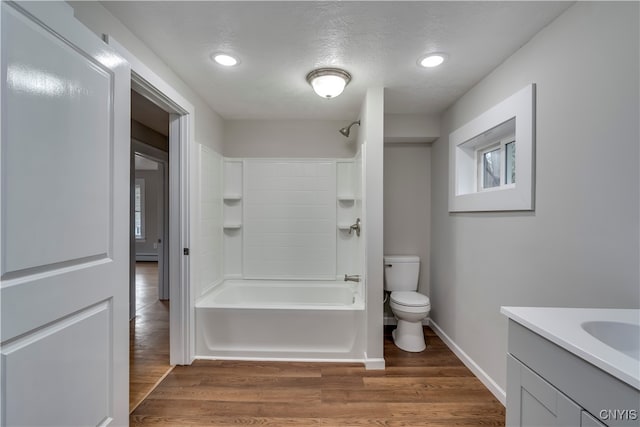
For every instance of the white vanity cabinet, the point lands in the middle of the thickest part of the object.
(550, 386)
(532, 401)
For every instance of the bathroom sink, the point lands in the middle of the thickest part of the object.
(624, 337)
(608, 338)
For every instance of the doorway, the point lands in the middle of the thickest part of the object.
(151, 86)
(149, 310)
(149, 239)
(149, 215)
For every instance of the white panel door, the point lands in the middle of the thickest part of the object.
(64, 221)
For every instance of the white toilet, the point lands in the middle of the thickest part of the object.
(408, 306)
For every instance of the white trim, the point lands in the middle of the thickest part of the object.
(140, 183)
(282, 359)
(374, 363)
(147, 257)
(391, 320)
(493, 387)
(149, 151)
(182, 346)
(165, 93)
(463, 142)
(499, 145)
(154, 88)
(370, 364)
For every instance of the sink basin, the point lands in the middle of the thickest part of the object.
(608, 338)
(624, 337)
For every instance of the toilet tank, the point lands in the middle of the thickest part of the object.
(401, 273)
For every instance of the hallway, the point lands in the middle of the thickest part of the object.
(148, 336)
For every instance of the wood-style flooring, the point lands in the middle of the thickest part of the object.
(432, 388)
(148, 336)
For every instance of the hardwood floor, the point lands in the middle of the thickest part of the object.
(148, 336)
(432, 388)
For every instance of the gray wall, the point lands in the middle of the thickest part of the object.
(580, 247)
(288, 138)
(407, 204)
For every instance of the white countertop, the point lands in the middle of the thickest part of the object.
(562, 326)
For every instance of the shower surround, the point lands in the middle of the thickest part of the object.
(286, 246)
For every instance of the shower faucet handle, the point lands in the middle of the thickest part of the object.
(355, 227)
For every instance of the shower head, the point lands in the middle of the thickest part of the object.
(347, 129)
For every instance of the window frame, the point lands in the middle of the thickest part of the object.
(501, 146)
(517, 114)
(139, 184)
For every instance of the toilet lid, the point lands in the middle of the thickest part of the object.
(410, 299)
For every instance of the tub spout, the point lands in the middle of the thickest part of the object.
(352, 278)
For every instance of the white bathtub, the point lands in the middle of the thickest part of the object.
(281, 320)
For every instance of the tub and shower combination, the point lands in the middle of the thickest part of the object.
(286, 241)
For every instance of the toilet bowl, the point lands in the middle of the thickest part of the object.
(408, 306)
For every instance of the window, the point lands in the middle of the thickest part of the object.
(139, 209)
(510, 162)
(496, 165)
(485, 174)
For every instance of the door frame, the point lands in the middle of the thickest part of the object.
(181, 311)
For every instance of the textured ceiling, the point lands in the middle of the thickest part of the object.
(379, 43)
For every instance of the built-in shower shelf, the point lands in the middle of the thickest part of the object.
(344, 227)
(232, 226)
(346, 198)
(232, 197)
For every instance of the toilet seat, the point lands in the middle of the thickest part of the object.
(410, 299)
(409, 302)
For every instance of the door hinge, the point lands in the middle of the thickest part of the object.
(185, 251)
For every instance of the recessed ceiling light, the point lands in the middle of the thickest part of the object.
(224, 59)
(432, 60)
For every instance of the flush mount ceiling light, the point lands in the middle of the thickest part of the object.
(328, 82)
(432, 60)
(224, 59)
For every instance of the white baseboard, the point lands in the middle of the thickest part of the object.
(493, 387)
(284, 359)
(374, 364)
(391, 320)
(147, 257)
